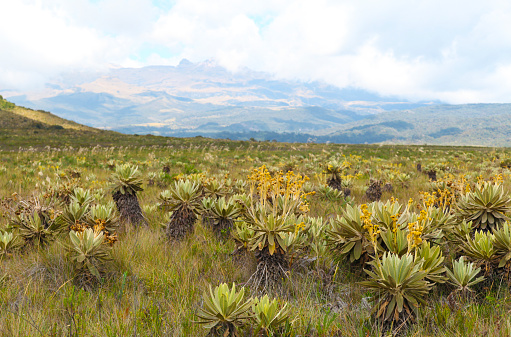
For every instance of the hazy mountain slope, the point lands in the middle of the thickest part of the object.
(26, 128)
(467, 124)
(203, 97)
(10, 120)
(470, 124)
(17, 117)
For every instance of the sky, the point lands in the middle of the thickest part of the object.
(452, 51)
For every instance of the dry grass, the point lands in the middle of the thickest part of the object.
(153, 286)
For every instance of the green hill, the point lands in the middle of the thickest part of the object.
(16, 117)
(26, 128)
(466, 124)
(22, 127)
(459, 125)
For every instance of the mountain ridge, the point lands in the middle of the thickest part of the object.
(205, 99)
(189, 95)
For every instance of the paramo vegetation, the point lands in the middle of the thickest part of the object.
(220, 238)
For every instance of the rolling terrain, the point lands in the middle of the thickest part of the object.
(467, 124)
(203, 98)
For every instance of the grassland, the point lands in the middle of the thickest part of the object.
(154, 286)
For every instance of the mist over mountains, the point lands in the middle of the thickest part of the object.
(205, 99)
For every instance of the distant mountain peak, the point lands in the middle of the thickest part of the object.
(193, 95)
(185, 63)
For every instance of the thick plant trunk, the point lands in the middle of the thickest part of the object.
(346, 191)
(222, 228)
(431, 175)
(181, 223)
(271, 269)
(207, 219)
(374, 191)
(334, 183)
(129, 209)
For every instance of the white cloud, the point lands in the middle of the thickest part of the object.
(457, 51)
(38, 42)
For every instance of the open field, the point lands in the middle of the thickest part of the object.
(153, 285)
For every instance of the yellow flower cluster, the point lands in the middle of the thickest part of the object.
(449, 189)
(414, 235)
(299, 227)
(497, 179)
(288, 185)
(394, 218)
(372, 229)
(79, 226)
(428, 199)
(304, 207)
(415, 230)
(442, 198)
(99, 227)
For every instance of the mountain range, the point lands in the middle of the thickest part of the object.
(202, 97)
(206, 99)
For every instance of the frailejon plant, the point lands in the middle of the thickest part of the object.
(269, 316)
(374, 190)
(272, 216)
(268, 242)
(183, 200)
(215, 189)
(487, 206)
(389, 215)
(88, 252)
(502, 244)
(104, 218)
(400, 286)
(9, 243)
(126, 183)
(75, 215)
(349, 236)
(480, 250)
(317, 235)
(35, 230)
(433, 221)
(328, 193)
(457, 234)
(463, 276)
(334, 168)
(82, 196)
(225, 311)
(395, 241)
(242, 234)
(204, 209)
(36, 220)
(433, 259)
(223, 214)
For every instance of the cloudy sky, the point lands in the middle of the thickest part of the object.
(455, 51)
